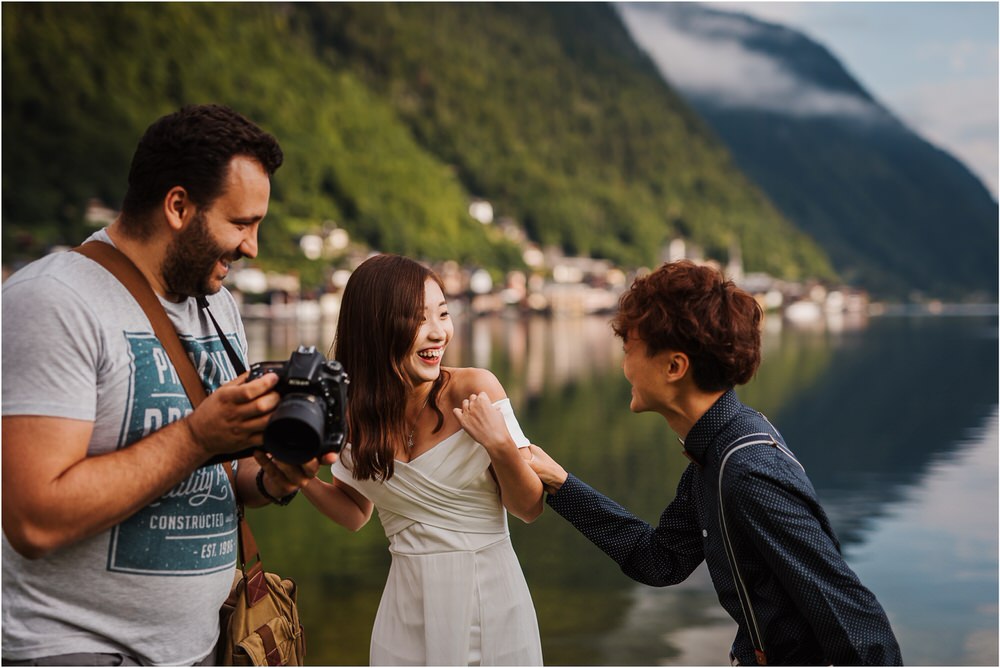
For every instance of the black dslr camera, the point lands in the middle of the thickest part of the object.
(310, 419)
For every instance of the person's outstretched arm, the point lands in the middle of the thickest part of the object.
(663, 555)
(340, 502)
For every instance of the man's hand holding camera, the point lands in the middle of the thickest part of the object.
(234, 416)
(303, 427)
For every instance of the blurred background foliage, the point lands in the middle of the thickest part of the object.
(392, 117)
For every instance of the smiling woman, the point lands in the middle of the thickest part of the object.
(442, 496)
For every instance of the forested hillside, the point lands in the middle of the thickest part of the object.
(392, 118)
(81, 81)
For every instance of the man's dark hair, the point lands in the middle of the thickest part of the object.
(191, 148)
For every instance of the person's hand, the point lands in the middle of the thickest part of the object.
(233, 417)
(548, 470)
(483, 422)
(282, 478)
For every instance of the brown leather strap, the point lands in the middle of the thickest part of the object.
(122, 268)
(247, 550)
(271, 653)
(129, 275)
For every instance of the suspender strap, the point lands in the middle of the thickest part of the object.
(742, 590)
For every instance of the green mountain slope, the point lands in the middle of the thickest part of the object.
(392, 117)
(895, 213)
(550, 111)
(82, 81)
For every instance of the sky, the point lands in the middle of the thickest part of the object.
(934, 65)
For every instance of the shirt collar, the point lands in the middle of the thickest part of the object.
(704, 432)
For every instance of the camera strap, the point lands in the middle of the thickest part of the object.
(233, 357)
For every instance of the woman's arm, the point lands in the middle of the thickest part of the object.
(340, 502)
(279, 479)
(520, 488)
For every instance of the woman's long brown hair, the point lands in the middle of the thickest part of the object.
(382, 308)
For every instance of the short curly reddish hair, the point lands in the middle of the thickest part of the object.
(694, 310)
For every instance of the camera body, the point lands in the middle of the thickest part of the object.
(310, 419)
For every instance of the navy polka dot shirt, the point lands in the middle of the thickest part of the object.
(808, 607)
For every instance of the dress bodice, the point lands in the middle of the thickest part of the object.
(444, 499)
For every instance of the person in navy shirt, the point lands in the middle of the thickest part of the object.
(744, 505)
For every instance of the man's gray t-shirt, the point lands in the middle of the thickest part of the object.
(76, 345)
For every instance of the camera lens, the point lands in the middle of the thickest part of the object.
(294, 433)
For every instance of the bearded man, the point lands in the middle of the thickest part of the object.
(118, 533)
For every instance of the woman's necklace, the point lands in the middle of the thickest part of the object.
(409, 439)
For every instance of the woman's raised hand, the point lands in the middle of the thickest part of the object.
(484, 422)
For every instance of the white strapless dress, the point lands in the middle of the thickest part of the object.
(455, 594)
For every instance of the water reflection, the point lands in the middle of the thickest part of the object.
(896, 397)
(933, 554)
(895, 421)
(276, 339)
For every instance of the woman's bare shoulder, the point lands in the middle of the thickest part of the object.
(469, 380)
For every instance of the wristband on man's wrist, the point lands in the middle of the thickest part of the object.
(283, 501)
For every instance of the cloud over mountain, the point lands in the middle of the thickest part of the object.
(895, 212)
(711, 56)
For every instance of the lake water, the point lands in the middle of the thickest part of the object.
(894, 418)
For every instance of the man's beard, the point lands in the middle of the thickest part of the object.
(190, 260)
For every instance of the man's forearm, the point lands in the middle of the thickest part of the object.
(46, 511)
